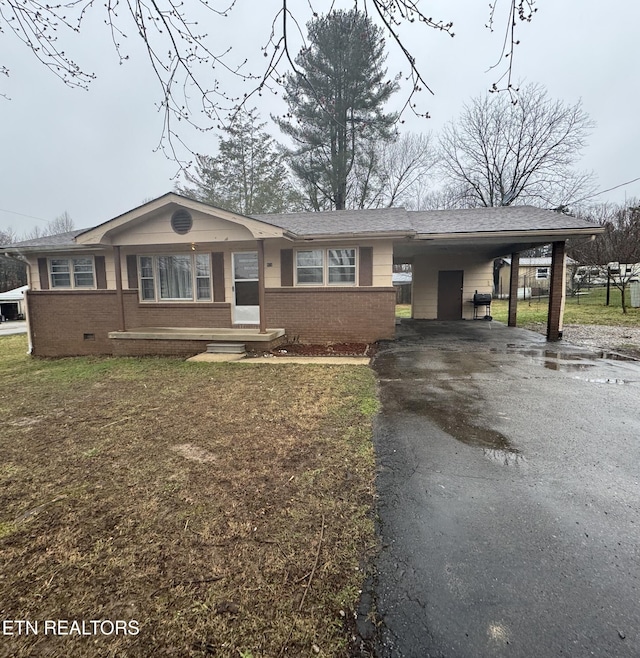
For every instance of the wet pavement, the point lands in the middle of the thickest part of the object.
(509, 496)
(13, 327)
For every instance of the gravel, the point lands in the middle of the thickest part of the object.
(625, 340)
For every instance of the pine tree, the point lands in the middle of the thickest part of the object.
(248, 175)
(336, 98)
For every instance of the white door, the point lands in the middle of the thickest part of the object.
(246, 308)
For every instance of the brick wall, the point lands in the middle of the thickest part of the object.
(174, 315)
(183, 348)
(323, 315)
(72, 323)
(76, 323)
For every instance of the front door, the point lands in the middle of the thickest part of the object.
(246, 308)
(450, 294)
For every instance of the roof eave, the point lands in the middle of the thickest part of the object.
(353, 235)
(529, 233)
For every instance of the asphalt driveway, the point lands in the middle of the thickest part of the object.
(509, 496)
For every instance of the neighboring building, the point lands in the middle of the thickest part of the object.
(402, 283)
(175, 274)
(534, 276)
(12, 304)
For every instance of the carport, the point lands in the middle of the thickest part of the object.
(452, 254)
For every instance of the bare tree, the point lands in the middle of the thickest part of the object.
(61, 224)
(190, 64)
(13, 273)
(616, 252)
(499, 152)
(395, 173)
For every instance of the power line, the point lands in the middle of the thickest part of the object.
(13, 212)
(615, 187)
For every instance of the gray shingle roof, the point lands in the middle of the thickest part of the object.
(393, 220)
(51, 240)
(506, 218)
(339, 222)
(388, 220)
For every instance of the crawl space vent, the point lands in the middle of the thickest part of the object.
(181, 221)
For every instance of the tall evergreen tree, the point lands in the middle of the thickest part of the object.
(336, 97)
(247, 176)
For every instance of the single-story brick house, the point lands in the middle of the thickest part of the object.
(174, 274)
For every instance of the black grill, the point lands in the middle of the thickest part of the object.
(482, 299)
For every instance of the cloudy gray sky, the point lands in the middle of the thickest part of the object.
(93, 153)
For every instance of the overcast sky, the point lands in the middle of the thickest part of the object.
(92, 153)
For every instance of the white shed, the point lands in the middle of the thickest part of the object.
(12, 304)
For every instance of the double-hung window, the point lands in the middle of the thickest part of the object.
(175, 277)
(72, 272)
(542, 273)
(321, 267)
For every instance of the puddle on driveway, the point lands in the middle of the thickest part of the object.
(446, 394)
(446, 387)
(565, 361)
(456, 418)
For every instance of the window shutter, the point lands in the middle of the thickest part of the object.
(132, 272)
(286, 267)
(217, 271)
(43, 269)
(366, 266)
(101, 273)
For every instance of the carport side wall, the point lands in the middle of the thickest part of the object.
(332, 315)
(478, 275)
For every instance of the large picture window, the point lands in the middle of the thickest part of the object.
(72, 272)
(175, 277)
(326, 266)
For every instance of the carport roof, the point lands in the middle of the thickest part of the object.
(426, 222)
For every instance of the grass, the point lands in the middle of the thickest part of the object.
(587, 308)
(226, 508)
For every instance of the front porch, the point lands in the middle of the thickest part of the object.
(188, 341)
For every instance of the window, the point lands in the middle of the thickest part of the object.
(321, 266)
(310, 266)
(342, 265)
(172, 277)
(542, 273)
(71, 272)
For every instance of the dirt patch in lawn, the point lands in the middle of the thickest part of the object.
(227, 511)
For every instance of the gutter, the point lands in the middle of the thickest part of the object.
(353, 236)
(533, 233)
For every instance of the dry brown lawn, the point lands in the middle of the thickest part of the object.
(226, 508)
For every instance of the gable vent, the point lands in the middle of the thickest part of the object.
(181, 221)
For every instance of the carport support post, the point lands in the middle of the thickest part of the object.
(513, 289)
(556, 292)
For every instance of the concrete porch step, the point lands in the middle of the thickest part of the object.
(226, 348)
